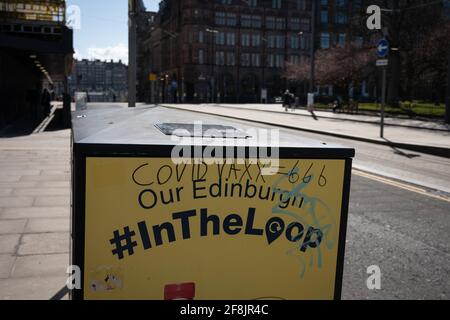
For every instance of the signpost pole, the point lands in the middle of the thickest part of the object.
(383, 49)
(383, 101)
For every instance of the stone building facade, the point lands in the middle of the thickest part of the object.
(236, 51)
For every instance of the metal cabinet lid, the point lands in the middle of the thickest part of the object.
(153, 125)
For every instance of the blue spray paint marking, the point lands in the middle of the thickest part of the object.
(311, 203)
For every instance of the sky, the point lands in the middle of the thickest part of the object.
(103, 28)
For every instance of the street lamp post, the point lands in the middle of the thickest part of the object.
(132, 50)
(213, 89)
(447, 100)
(312, 45)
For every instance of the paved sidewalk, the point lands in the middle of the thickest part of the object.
(34, 214)
(364, 118)
(363, 131)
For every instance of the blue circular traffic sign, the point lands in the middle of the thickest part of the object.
(383, 48)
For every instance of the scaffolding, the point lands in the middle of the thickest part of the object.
(33, 10)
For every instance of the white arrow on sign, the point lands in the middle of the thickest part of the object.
(382, 47)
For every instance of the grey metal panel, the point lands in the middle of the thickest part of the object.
(138, 126)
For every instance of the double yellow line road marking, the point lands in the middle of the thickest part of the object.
(401, 185)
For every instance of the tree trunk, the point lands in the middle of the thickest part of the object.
(395, 59)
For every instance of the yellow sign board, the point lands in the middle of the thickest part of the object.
(233, 232)
(152, 77)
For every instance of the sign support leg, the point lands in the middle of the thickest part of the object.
(383, 102)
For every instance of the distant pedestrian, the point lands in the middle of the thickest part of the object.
(337, 104)
(288, 99)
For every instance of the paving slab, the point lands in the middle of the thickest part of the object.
(40, 265)
(61, 177)
(31, 288)
(9, 243)
(52, 201)
(12, 226)
(42, 191)
(5, 191)
(55, 184)
(44, 243)
(21, 172)
(16, 202)
(5, 178)
(6, 264)
(35, 212)
(14, 185)
(47, 225)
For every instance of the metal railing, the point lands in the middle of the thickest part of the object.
(33, 10)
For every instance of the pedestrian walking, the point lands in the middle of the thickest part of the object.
(288, 99)
(337, 104)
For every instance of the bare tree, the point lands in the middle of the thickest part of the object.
(338, 66)
(407, 22)
(428, 62)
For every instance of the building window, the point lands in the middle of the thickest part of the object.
(201, 56)
(279, 61)
(276, 4)
(342, 39)
(270, 60)
(245, 59)
(275, 41)
(275, 60)
(294, 59)
(341, 18)
(246, 21)
(220, 58)
(304, 42)
(231, 19)
(226, 1)
(256, 40)
(220, 38)
(201, 37)
(301, 4)
(324, 16)
(231, 39)
(220, 18)
(256, 21)
(341, 3)
(358, 41)
(356, 5)
(280, 23)
(255, 59)
(252, 3)
(295, 42)
(271, 41)
(305, 24)
(245, 40)
(270, 22)
(325, 40)
(280, 42)
(231, 59)
(295, 23)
